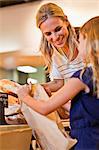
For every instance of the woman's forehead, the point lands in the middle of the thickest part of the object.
(51, 23)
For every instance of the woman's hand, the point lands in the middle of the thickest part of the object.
(47, 89)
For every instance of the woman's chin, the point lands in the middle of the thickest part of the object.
(59, 45)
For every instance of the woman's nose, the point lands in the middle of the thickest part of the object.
(54, 37)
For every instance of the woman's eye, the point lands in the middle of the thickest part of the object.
(48, 33)
(58, 29)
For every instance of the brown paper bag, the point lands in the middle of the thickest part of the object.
(47, 130)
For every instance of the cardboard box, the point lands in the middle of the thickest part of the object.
(15, 137)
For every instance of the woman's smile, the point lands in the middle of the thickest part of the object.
(60, 42)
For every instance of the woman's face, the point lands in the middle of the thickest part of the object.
(82, 46)
(55, 30)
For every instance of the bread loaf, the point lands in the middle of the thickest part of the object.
(8, 86)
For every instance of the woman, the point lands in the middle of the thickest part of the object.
(83, 90)
(58, 45)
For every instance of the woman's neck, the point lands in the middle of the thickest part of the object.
(66, 51)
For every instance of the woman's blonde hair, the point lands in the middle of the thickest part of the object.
(90, 30)
(52, 10)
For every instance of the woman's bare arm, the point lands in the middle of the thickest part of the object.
(53, 86)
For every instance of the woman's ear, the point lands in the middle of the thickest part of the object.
(66, 19)
(85, 36)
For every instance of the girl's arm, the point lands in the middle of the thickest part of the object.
(67, 92)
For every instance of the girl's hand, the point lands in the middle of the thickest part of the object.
(23, 91)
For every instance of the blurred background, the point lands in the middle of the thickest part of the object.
(20, 38)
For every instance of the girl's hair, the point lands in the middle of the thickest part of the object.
(90, 31)
(52, 10)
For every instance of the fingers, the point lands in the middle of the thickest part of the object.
(23, 91)
(30, 86)
(47, 89)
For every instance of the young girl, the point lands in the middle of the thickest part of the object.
(58, 45)
(82, 89)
